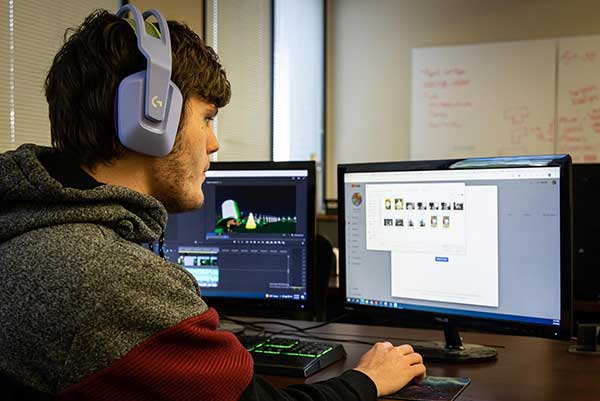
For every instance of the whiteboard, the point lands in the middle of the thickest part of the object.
(579, 98)
(483, 100)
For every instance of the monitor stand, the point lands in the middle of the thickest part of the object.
(453, 350)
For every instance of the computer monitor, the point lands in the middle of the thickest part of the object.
(250, 246)
(483, 243)
(586, 231)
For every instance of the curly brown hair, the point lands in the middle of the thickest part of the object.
(84, 76)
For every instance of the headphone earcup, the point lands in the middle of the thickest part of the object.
(135, 131)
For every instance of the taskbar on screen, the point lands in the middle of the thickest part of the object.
(474, 314)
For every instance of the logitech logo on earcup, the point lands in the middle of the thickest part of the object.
(156, 102)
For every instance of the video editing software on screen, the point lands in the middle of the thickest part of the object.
(249, 238)
(482, 243)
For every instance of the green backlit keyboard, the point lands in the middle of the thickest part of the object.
(289, 356)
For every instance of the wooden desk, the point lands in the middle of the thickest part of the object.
(527, 368)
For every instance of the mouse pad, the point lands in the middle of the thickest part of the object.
(433, 388)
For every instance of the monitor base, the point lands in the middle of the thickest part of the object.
(438, 351)
(453, 349)
(574, 349)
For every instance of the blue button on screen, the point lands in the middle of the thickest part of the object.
(441, 259)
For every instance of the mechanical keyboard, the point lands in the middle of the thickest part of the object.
(290, 356)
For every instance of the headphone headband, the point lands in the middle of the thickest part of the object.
(147, 103)
(158, 55)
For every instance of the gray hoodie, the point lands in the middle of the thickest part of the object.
(77, 289)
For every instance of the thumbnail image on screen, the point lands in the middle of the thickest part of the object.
(255, 209)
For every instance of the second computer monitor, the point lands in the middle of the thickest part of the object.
(250, 246)
(483, 242)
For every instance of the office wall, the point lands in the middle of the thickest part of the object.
(189, 11)
(369, 60)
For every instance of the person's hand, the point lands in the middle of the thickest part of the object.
(391, 368)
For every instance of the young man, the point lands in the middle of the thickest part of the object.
(88, 312)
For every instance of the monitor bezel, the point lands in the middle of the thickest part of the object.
(269, 307)
(383, 315)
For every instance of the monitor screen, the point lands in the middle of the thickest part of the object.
(250, 239)
(481, 243)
